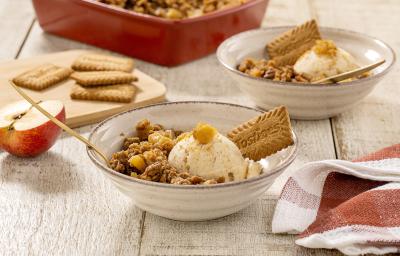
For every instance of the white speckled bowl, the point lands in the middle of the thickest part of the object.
(186, 202)
(306, 101)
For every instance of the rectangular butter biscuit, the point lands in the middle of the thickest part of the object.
(113, 93)
(95, 78)
(42, 77)
(100, 62)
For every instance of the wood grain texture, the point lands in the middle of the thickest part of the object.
(58, 204)
(374, 123)
(286, 12)
(245, 233)
(16, 19)
(79, 112)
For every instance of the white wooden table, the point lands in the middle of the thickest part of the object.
(58, 204)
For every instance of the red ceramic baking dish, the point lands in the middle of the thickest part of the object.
(153, 39)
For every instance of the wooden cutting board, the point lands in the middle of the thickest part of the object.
(78, 112)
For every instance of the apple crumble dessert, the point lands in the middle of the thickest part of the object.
(145, 156)
(174, 9)
(268, 69)
(203, 155)
(300, 55)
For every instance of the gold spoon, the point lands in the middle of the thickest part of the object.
(59, 123)
(349, 74)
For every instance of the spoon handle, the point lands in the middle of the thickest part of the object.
(59, 123)
(349, 74)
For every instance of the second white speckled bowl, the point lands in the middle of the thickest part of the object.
(186, 202)
(305, 101)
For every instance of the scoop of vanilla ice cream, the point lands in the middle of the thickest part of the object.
(254, 168)
(220, 157)
(324, 60)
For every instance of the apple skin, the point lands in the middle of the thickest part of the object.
(32, 142)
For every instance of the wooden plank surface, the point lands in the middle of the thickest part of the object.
(58, 204)
(78, 112)
(374, 123)
(245, 233)
(16, 19)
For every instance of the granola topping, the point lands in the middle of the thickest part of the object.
(325, 47)
(267, 69)
(145, 156)
(174, 9)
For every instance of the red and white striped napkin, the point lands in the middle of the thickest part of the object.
(350, 206)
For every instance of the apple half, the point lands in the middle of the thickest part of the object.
(26, 132)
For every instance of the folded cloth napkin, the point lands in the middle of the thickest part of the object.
(350, 206)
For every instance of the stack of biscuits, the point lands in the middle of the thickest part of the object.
(98, 78)
(103, 78)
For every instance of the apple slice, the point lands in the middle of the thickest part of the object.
(26, 132)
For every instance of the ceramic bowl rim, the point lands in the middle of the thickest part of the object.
(245, 34)
(127, 178)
